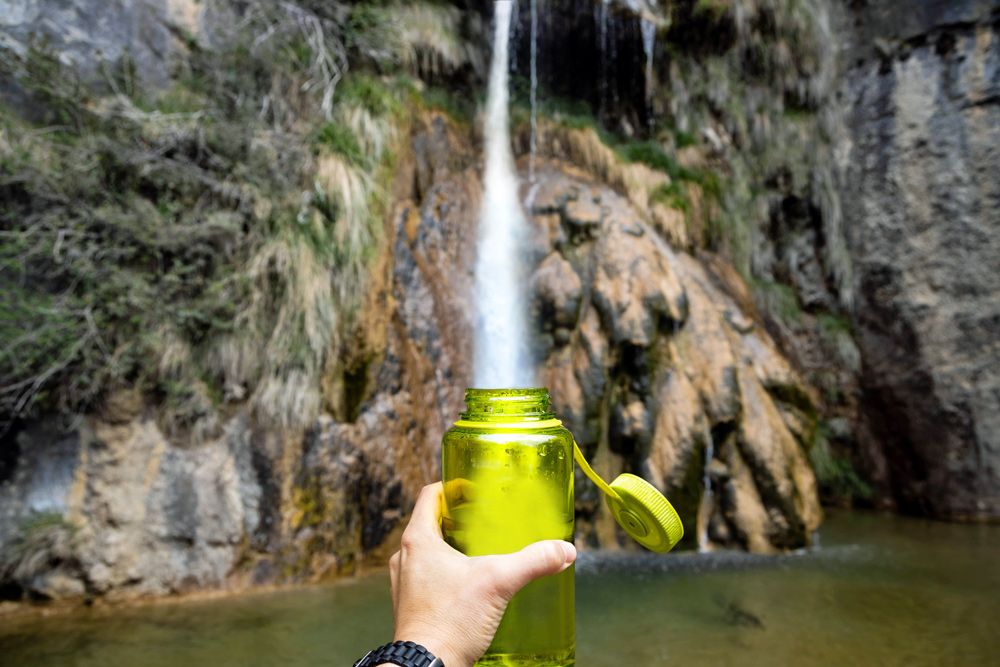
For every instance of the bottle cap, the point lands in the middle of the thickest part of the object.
(644, 513)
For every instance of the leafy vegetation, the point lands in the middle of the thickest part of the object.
(651, 153)
(713, 9)
(40, 538)
(459, 108)
(778, 300)
(201, 243)
(673, 195)
(837, 476)
(340, 140)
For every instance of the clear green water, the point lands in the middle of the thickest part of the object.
(880, 591)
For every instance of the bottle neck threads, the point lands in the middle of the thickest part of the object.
(506, 405)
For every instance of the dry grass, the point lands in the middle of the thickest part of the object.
(219, 246)
(638, 182)
(430, 39)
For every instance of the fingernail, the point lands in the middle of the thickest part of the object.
(569, 552)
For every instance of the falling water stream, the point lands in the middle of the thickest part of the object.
(534, 90)
(648, 47)
(707, 504)
(501, 348)
(603, 49)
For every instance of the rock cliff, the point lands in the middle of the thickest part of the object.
(922, 198)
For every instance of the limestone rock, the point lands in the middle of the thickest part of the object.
(116, 508)
(557, 291)
(635, 290)
(667, 369)
(583, 215)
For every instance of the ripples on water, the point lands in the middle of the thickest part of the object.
(882, 591)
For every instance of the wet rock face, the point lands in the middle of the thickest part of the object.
(658, 372)
(87, 33)
(589, 51)
(922, 199)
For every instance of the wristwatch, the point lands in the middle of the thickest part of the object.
(404, 654)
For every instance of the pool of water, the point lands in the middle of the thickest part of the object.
(881, 590)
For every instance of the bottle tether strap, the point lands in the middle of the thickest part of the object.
(581, 461)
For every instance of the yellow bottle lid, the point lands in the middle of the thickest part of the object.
(645, 514)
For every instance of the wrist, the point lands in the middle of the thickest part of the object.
(437, 646)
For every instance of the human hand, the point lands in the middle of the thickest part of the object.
(451, 603)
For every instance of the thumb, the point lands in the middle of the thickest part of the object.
(514, 571)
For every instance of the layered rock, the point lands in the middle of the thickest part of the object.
(658, 371)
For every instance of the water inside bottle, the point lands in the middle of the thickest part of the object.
(504, 491)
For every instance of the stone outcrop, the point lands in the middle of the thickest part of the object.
(114, 509)
(923, 203)
(89, 34)
(117, 508)
(658, 371)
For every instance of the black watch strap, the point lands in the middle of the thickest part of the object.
(404, 654)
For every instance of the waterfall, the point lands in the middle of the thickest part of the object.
(602, 47)
(612, 36)
(501, 347)
(648, 46)
(515, 35)
(707, 504)
(534, 90)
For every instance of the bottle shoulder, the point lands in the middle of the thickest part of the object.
(526, 434)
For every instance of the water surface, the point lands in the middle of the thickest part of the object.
(881, 590)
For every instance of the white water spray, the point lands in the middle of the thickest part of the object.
(707, 500)
(603, 49)
(534, 90)
(648, 46)
(501, 341)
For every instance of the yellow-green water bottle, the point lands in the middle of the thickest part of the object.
(507, 467)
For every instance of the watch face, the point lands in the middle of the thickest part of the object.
(362, 662)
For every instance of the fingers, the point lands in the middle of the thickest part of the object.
(425, 522)
(512, 572)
